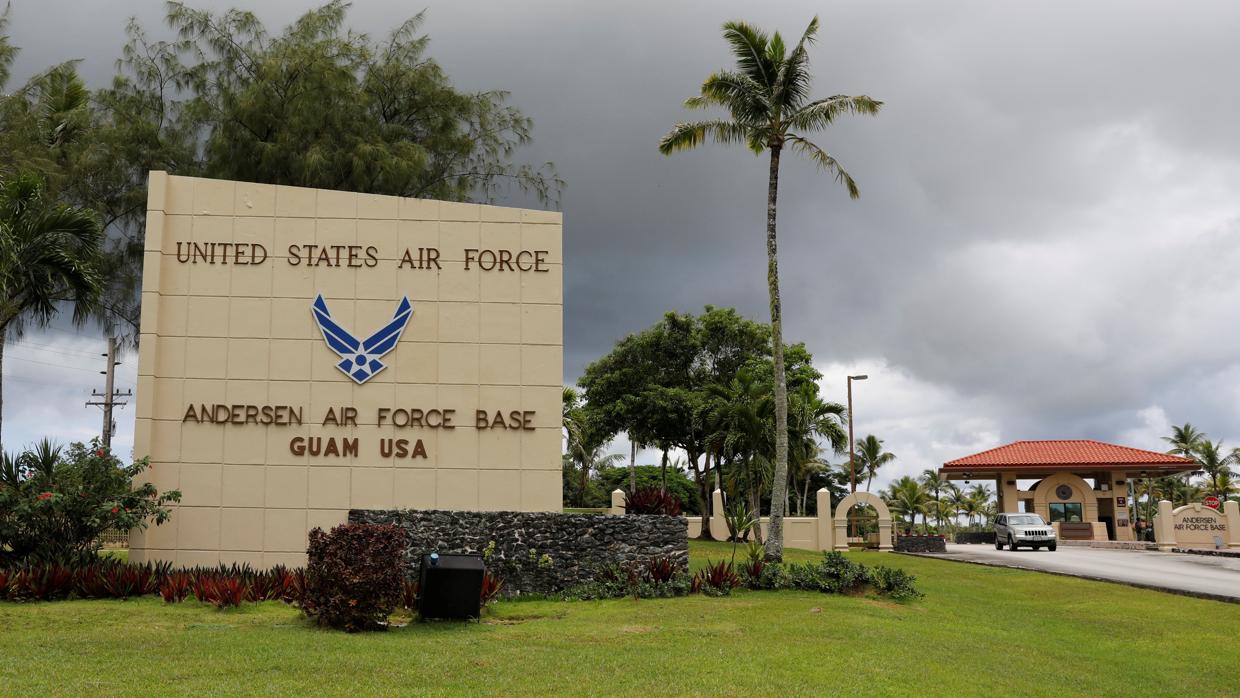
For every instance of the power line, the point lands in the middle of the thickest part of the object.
(54, 350)
(44, 363)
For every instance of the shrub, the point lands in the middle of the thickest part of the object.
(718, 579)
(894, 582)
(174, 587)
(409, 593)
(353, 578)
(651, 500)
(841, 574)
(224, 591)
(55, 505)
(491, 588)
(658, 577)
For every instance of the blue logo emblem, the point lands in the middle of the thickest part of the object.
(360, 360)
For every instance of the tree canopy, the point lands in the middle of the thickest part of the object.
(315, 105)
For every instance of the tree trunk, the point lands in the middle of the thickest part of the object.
(3, 331)
(663, 472)
(755, 493)
(632, 465)
(585, 479)
(775, 537)
(708, 500)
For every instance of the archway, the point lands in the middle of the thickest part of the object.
(869, 499)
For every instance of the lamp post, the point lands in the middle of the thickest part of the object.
(852, 469)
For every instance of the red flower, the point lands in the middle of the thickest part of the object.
(44, 496)
(114, 510)
(101, 453)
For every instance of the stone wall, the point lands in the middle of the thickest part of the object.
(975, 537)
(921, 544)
(537, 551)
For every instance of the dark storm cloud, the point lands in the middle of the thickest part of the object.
(1047, 236)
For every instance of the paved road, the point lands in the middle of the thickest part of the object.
(1193, 574)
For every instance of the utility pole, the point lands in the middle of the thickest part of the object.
(111, 396)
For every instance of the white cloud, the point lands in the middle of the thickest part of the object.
(923, 424)
(48, 379)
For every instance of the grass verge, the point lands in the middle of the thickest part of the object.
(978, 631)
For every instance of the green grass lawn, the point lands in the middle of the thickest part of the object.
(979, 631)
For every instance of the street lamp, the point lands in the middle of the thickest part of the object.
(852, 470)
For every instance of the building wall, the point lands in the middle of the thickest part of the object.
(226, 328)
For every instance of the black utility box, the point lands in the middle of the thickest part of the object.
(450, 586)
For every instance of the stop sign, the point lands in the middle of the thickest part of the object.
(1211, 501)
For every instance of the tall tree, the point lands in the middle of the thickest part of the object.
(1184, 441)
(767, 99)
(316, 105)
(935, 485)
(871, 456)
(655, 384)
(49, 256)
(1214, 463)
(907, 497)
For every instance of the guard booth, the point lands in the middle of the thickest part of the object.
(1082, 487)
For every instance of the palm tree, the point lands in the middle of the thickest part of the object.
(1213, 462)
(934, 486)
(1185, 440)
(907, 497)
(1226, 485)
(976, 501)
(955, 502)
(811, 418)
(740, 435)
(870, 457)
(767, 99)
(49, 255)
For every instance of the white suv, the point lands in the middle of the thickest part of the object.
(1018, 529)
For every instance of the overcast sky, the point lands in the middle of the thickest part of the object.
(1047, 243)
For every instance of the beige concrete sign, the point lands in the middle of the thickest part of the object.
(304, 352)
(1197, 526)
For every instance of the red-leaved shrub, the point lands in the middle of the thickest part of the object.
(491, 588)
(353, 576)
(175, 587)
(651, 500)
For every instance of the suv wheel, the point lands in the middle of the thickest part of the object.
(998, 543)
(1051, 547)
(1011, 543)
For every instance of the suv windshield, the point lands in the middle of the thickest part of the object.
(1026, 520)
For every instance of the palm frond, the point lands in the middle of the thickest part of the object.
(684, 136)
(745, 99)
(821, 113)
(749, 45)
(825, 162)
(792, 83)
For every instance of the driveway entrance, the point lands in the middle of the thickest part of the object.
(1197, 575)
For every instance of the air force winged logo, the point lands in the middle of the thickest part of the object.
(359, 360)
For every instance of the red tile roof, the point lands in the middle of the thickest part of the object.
(1077, 452)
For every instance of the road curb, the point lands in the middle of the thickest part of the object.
(1151, 587)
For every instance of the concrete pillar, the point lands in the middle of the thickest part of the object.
(825, 525)
(617, 502)
(1231, 511)
(1164, 526)
(718, 527)
(1009, 495)
(840, 526)
(884, 534)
